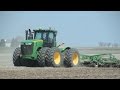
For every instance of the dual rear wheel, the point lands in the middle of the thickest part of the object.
(71, 58)
(52, 57)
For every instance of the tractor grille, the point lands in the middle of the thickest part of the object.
(27, 49)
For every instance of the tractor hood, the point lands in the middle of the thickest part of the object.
(29, 48)
(31, 41)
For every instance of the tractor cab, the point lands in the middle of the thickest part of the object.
(48, 36)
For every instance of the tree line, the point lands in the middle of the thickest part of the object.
(14, 42)
(108, 44)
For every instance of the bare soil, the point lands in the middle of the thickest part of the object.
(8, 71)
(59, 73)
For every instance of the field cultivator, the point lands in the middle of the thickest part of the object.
(101, 60)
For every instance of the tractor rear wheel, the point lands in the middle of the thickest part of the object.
(71, 58)
(16, 57)
(42, 56)
(54, 58)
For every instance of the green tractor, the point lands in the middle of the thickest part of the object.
(40, 49)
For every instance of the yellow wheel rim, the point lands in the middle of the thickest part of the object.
(57, 57)
(75, 58)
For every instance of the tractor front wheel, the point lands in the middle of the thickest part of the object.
(16, 57)
(42, 56)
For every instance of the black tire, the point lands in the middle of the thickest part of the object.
(16, 57)
(54, 58)
(63, 55)
(42, 56)
(72, 58)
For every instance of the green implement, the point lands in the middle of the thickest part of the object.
(101, 60)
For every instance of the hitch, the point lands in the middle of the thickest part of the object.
(60, 45)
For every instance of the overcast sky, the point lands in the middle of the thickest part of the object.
(75, 28)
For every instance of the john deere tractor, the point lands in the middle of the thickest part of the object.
(40, 49)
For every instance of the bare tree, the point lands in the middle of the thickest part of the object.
(16, 41)
(115, 45)
(101, 44)
(109, 44)
(104, 44)
(2, 43)
(19, 38)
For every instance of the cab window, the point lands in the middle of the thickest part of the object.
(38, 36)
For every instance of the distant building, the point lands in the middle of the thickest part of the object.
(8, 44)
